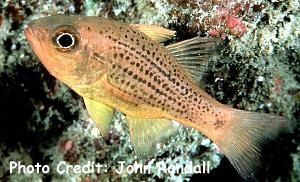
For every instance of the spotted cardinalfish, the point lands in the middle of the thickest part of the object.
(125, 67)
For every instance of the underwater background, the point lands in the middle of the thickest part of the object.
(42, 120)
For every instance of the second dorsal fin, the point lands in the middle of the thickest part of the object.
(193, 55)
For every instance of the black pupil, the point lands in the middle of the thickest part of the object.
(65, 40)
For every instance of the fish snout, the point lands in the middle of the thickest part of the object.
(30, 27)
(28, 32)
(35, 31)
(31, 23)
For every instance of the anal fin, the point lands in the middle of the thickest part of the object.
(101, 114)
(146, 133)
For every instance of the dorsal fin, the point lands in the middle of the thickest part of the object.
(193, 55)
(157, 33)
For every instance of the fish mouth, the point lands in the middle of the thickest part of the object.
(30, 35)
(33, 32)
(34, 35)
(29, 29)
(28, 32)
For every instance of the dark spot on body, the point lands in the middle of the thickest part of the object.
(173, 80)
(218, 123)
(141, 68)
(153, 54)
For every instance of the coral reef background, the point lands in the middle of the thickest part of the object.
(257, 70)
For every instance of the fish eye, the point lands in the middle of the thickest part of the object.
(65, 40)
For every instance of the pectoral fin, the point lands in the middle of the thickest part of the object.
(157, 33)
(146, 133)
(101, 114)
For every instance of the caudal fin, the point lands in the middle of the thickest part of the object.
(243, 141)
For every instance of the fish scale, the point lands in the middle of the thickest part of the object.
(159, 88)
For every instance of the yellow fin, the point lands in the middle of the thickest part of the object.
(101, 114)
(193, 55)
(146, 133)
(157, 33)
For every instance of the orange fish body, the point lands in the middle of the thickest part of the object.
(114, 65)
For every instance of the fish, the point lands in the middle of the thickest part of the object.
(115, 66)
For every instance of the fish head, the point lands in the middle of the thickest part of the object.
(70, 47)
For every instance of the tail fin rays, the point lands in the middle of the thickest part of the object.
(243, 142)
